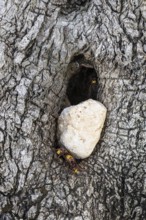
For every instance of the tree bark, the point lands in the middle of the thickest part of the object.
(39, 49)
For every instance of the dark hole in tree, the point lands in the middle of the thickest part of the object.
(83, 85)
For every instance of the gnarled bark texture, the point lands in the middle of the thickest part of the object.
(39, 40)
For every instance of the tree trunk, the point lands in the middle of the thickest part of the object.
(41, 45)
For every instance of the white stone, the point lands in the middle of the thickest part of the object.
(80, 126)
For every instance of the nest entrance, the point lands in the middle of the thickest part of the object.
(82, 85)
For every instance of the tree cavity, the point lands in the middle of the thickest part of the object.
(83, 85)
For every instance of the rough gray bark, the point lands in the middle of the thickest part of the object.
(39, 39)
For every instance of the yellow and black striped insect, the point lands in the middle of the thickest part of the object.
(62, 152)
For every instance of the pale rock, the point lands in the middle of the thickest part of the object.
(80, 126)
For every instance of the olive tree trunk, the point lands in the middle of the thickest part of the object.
(40, 45)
